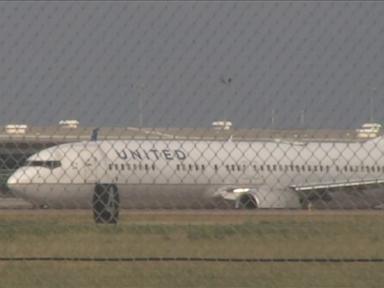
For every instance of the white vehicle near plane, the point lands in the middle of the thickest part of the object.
(109, 175)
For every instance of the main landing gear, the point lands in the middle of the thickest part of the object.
(105, 204)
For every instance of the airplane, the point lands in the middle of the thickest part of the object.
(113, 174)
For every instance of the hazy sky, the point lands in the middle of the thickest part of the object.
(311, 64)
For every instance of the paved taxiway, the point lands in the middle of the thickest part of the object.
(15, 206)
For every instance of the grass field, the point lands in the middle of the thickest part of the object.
(72, 234)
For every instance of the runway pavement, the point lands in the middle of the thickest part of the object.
(15, 205)
(10, 203)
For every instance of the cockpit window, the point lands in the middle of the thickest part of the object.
(46, 164)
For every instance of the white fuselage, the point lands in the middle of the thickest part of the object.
(173, 174)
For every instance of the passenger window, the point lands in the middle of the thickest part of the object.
(122, 166)
(110, 166)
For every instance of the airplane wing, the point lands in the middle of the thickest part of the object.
(294, 197)
(323, 190)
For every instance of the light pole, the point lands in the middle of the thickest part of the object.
(371, 103)
(140, 104)
(302, 118)
(226, 81)
(140, 108)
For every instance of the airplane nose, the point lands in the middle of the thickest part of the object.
(16, 183)
(12, 182)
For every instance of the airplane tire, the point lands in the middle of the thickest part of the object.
(247, 201)
(105, 204)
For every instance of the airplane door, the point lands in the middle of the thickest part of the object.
(90, 160)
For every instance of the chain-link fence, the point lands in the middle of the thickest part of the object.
(191, 144)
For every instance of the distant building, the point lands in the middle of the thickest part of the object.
(16, 128)
(72, 124)
(222, 125)
(369, 130)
